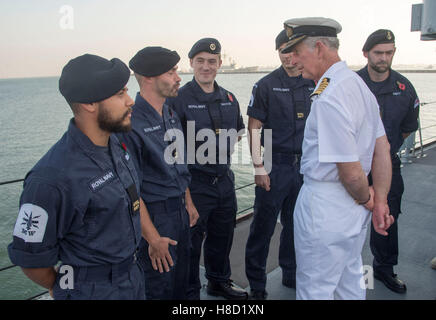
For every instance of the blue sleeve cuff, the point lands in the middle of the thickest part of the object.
(26, 259)
(256, 114)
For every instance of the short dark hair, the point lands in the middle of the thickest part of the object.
(75, 106)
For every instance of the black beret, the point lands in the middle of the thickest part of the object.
(377, 37)
(210, 45)
(281, 39)
(90, 78)
(153, 61)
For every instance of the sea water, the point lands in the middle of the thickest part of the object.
(34, 116)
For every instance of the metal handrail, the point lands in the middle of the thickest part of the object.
(428, 127)
(38, 295)
(431, 138)
(426, 103)
(245, 135)
(421, 140)
(246, 186)
(242, 211)
(8, 267)
(10, 182)
(45, 292)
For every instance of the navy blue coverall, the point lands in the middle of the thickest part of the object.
(399, 109)
(163, 185)
(282, 104)
(80, 206)
(213, 184)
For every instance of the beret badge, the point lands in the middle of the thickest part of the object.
(389, 35)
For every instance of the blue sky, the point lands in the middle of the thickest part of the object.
(34, 44)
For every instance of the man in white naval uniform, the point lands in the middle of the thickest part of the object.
(344, 140)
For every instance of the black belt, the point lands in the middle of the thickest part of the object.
(104, 272)
(207, 178)
(168, 205)
(286, 158)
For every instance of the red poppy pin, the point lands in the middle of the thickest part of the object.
(402, 86)
(124, 146)
(126, 154)
(230, 97)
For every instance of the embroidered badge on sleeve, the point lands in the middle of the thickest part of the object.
(31, 223)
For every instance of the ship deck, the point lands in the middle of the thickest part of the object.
(417, 243)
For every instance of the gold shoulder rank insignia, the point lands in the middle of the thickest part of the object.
(322, 86)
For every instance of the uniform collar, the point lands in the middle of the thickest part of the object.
(294, 82)
(203, 96)
(390, 85)
(336, 67)
(146, 110)
(84, 142)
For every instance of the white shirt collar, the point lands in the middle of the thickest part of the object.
(331, 71)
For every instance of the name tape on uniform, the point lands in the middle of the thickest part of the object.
(99, 182)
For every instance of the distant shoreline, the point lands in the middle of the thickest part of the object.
(239, 72)
(416, 71)
(268, 71)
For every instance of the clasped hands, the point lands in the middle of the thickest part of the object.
(381, 217)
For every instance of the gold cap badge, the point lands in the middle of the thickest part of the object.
(389, 36)
(289, 31)
(212, 46)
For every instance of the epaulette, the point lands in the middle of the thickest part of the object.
(322, 86)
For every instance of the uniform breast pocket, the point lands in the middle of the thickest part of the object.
(230, 114)
(200, 118)
(393, 113)
(280, 105)
(156, 136)
(108, 212)
(283, 127)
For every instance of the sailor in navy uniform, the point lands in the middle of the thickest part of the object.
(399, 109)
(213, 110)
(80, 202)
(280, 103)
(163, 174)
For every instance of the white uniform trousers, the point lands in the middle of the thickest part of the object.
(330, 231)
